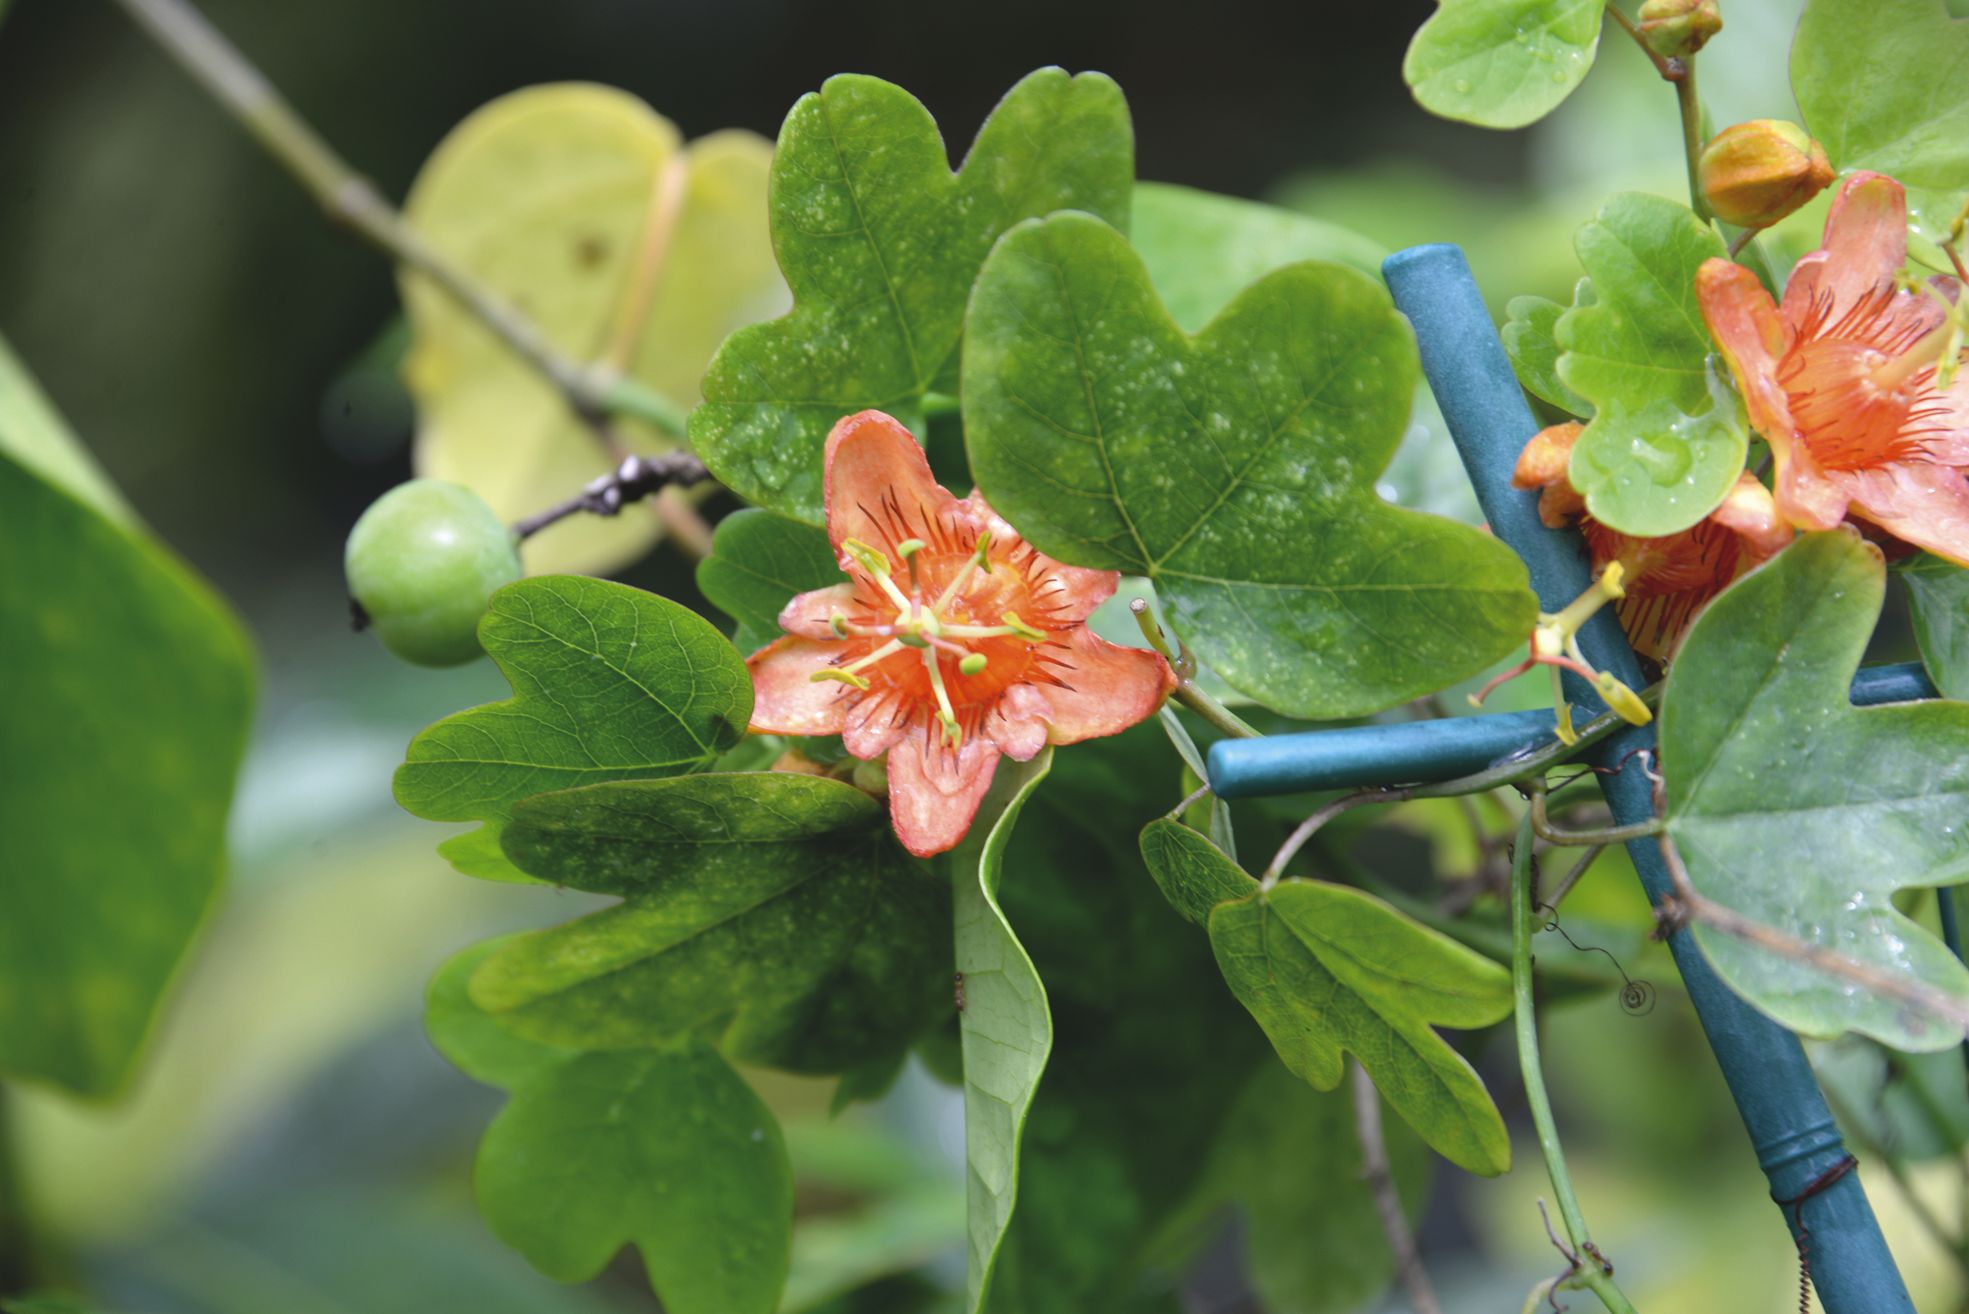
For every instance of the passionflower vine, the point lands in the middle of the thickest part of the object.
(1664, 581)
(953, 640)
(1853, 380)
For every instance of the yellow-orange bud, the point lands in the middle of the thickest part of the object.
(1676, 29)
(1754, 174)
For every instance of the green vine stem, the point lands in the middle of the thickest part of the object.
(1188, 692)
(593, 391)
(1542, 826)
(1590, 1269)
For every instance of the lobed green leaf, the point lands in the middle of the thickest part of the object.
(1236, 469)
(666, 1149)
(880, 243)
(1328, 970)
(1802, 812)
(770, 909)
(609, 683)
(1667, 440)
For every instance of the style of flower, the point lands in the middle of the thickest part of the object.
(1664, 581)
(1852, 380)
(953, 641)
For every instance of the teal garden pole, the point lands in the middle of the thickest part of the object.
(1790, 1127)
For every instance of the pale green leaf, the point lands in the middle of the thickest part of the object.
(771, 909)
(880, 243)
(1938, 603)
(1236, 469)
(1802, 812)
(1667, 440)
(1329, 970)
(550, 197)
(132, 690)
(610, 683)
(1006, 1029)
(1202, 249)
(1879, 83)
(1502, 63)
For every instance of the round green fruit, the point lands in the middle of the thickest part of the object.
(422, 562)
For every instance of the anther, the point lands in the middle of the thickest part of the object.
(972, 664)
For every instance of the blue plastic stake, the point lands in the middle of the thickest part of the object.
(1424, 752)
(1790, 1127)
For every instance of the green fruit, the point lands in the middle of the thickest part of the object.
(422, 562)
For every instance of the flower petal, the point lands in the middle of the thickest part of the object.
(934, 790)
(1808, 495)
(876, 722)
(1062, 594)
(1745, 323)
(1091, 688)
(1751, 514)
(809, 613)
(879, 488)
(786, 700)
(1864, 247)
(1926, 505)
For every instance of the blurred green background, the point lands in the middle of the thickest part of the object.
(293, 1144)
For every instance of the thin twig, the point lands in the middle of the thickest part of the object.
(1182, 663)
(1381, 1182)
(1671, 70)
(1320, 816)
(1542, 826)
(1551, 901)
(1589, 1265)
(351, 199)
(1692, 905)
(636, 478)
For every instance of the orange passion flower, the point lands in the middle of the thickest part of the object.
(1665, 581)
(1852, 380)
(953, 640)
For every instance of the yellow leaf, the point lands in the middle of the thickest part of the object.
(583, 208)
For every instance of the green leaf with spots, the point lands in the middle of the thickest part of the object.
(1202, 249)
(1938, 602)
(1235, 468)
(131, 690)
(1006, 1031)
(880, 243)
(1667, 440)
(584, 208)
(1803, 812)
(664, 1148)
(1879, 85)
(609, 683)
(1528, 339)
(771, 909)
(1502, 63)
(758, 561)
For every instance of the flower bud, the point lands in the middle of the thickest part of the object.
(1754, 174)
(1676, 29)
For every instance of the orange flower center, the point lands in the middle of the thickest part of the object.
(1861, 388)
